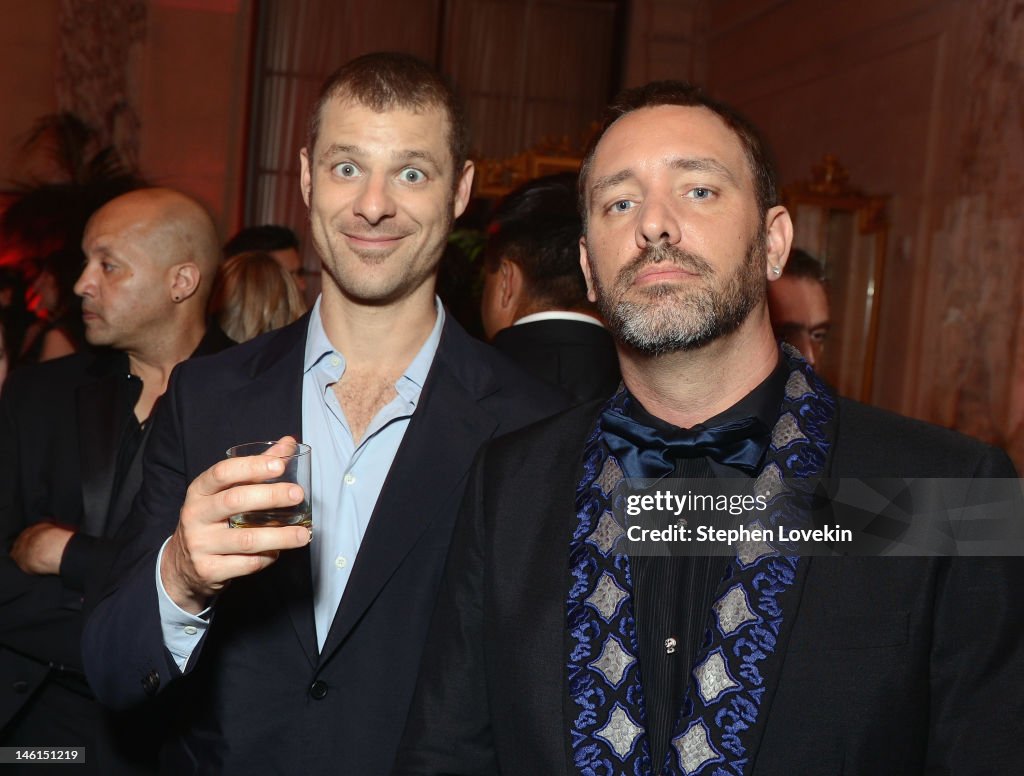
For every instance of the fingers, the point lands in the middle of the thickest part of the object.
(250, 541)
(236, 471)
(205, 552)
(284, 446)
(203, 521)
(200, 508)
(244, 470)
(200, 559)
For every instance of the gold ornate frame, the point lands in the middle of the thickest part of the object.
(848, 231)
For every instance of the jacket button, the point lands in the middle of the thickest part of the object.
(318, 690)
(151, 683)
(20, 686)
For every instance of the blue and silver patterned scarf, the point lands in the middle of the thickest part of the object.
(721, 718)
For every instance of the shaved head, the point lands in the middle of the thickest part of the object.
(172, 227)
(151, 258)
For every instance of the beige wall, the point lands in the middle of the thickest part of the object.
(191, 81)
(193, 101)
(28, 55)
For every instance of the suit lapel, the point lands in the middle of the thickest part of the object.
(100, 427)
(747, 724)
(421, 481)
(130, 485)
(789, 603)
(294, 581)
(771, 586)
(270, 404)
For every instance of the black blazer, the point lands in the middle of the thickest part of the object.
(256, 696)
(578, 357)
(60, 429)
(892, 666)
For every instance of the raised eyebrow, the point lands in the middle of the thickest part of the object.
(413, 155)
(337, 149)
(704, 164)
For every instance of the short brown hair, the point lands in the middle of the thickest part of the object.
(384, 81)
(658, 93)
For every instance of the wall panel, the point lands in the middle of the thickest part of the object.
(921, 101)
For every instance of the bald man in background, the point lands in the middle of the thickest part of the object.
(72, 433)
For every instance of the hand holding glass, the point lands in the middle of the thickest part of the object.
(296, 457)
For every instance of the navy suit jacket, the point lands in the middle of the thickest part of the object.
(256, 696)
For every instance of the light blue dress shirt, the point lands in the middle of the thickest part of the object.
(346, 479)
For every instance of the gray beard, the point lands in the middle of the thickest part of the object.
(672, 319)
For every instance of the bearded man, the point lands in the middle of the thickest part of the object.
(554, 650)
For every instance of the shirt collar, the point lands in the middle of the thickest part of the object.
(419, 367)
(318, 346)
(762, 403)
(559, 315)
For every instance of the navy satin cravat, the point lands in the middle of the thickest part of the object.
(648, 452)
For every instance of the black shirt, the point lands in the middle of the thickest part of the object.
(672, 596)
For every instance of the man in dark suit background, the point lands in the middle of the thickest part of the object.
(534, 305)
(798, 306)
(556, 650)
(72, 434)
(309, 665)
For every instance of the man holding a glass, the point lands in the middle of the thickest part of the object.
(309, 665)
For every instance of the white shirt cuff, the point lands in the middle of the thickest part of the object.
(182, 631)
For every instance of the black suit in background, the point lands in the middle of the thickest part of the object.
(892, 666)
(61, 428)
(257, 697)
(576, 356)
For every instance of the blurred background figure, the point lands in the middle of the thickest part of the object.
(14, 313)
(58, 329)
(278, 241)
(4, 358)
(253, 294)
(534, 306)
(798, 305)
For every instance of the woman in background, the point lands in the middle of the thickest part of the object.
(253, 294)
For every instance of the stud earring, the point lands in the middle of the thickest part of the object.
(777, 271)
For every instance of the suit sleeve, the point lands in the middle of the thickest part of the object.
(86, 560)
(123, 649)
(448, 729)
(977, 659)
